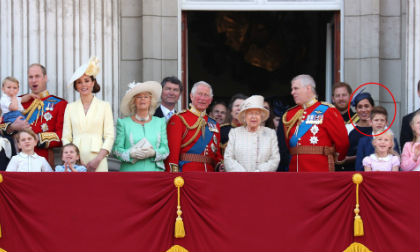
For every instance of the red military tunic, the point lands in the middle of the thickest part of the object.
(182, 130)
(46, 120)
(327, 130)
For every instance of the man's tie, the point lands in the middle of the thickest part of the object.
(168, 116)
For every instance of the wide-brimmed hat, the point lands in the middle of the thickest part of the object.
(253, 102)
(152, 87)
(90, 68)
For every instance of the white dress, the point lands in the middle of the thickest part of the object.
(252, 151)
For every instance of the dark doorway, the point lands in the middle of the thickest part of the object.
(256, 52)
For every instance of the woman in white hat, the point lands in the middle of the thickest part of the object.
(141, 143)
(88, 122)
(252, 147)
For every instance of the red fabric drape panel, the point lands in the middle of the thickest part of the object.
(221, 211)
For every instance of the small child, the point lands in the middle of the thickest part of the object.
(379, 118)
(410, 160)
(10, 103)
(384, 158)
(27, 160)
(70, 155)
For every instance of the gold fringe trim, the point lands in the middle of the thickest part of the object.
(2, 250)
(198, 125)
(358, 223)
(175, 248)
(179, 224)
(357, 247)
(289, 124)
(36, 104)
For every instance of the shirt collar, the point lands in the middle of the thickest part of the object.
(165, 110)
(24, 155)
(197, 112)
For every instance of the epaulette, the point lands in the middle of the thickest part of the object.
(211, 118)
(224, 124)
(292, 108)
(59, 98)
(328, 104)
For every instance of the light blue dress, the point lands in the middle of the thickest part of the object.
(130, 132)
(79, 168)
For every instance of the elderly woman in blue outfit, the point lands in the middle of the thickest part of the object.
(141, 142)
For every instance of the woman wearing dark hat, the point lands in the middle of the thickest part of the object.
(364, 104)
(141, 143)
(252, 147)
(88, 122)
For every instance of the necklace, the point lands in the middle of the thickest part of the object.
(141, 119)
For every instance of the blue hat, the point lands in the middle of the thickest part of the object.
(360, 96)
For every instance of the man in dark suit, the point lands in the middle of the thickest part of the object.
(171, 91)
(406, 131)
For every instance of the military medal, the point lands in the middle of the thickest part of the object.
(214, 139)
(213, 127)
(44, 127)
(47, 116)
(213, 147)
(314, 140)
(314, 129)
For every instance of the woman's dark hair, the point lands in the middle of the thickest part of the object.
(96, 87)
(77, 151)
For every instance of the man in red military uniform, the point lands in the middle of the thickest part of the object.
(44, 114)
(193, 137)
(315, 134)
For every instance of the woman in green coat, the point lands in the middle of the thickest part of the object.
(141, 142)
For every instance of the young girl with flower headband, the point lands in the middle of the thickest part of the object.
(88, 122)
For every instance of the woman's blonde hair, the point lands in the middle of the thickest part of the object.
(152, 107)
(389, 134)
(416, 115)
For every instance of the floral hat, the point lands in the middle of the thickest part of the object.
(152, 87)
(91, 68)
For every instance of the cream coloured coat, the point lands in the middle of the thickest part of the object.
(90, 132)
(252, 151)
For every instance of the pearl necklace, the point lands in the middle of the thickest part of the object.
(141, 119)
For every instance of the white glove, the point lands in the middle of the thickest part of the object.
(137, 153)
(150, 152)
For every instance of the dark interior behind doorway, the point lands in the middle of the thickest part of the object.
(256, 52)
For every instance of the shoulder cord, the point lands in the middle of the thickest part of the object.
(289, 124)
(198, 125)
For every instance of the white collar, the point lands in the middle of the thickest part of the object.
(165, 110)
(385, 159)
(24, 155)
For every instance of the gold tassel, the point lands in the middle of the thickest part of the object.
(179, 224)
(357, 247)
(177, 248)
(358, 223)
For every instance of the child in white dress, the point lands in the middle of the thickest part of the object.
(27, 160)
(384, 158)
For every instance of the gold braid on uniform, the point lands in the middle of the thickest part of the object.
(200, 124)
(36, 104)
(289, 124)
